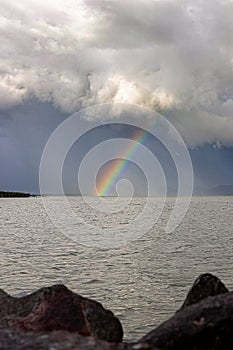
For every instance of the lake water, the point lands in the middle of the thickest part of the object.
(143, 283)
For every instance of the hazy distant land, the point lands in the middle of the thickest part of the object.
(222, 190)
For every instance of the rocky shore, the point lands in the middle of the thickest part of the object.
(59, 319)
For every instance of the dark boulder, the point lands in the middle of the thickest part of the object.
(57, 308)
(15, 339)
(59, 340)
(205, 285)
(207, 325)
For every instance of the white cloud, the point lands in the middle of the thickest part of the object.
(164, 54)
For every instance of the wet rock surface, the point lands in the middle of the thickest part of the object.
(11, 339)
(58, 308)
(205, 285)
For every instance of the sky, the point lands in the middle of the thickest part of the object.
(58, 57)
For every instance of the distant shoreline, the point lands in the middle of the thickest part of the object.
(9, 194)
(168, 196)
(6, 194)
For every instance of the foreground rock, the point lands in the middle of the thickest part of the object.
(205, 285)
(207, 325)
(55, 318)
(11, 339)
(60, 340)
(58, 308)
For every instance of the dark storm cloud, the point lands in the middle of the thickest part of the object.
(24, 131)
(175, 56)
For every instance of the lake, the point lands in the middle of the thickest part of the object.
(143, 282)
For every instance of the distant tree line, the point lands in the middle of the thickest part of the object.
(4, 194)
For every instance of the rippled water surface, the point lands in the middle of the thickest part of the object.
(143, 283)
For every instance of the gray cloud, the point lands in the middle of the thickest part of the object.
(175, 56)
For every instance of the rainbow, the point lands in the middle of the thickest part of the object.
(110, 176)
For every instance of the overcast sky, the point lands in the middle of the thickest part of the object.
(56, 57)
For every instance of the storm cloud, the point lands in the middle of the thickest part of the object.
(174, 56)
